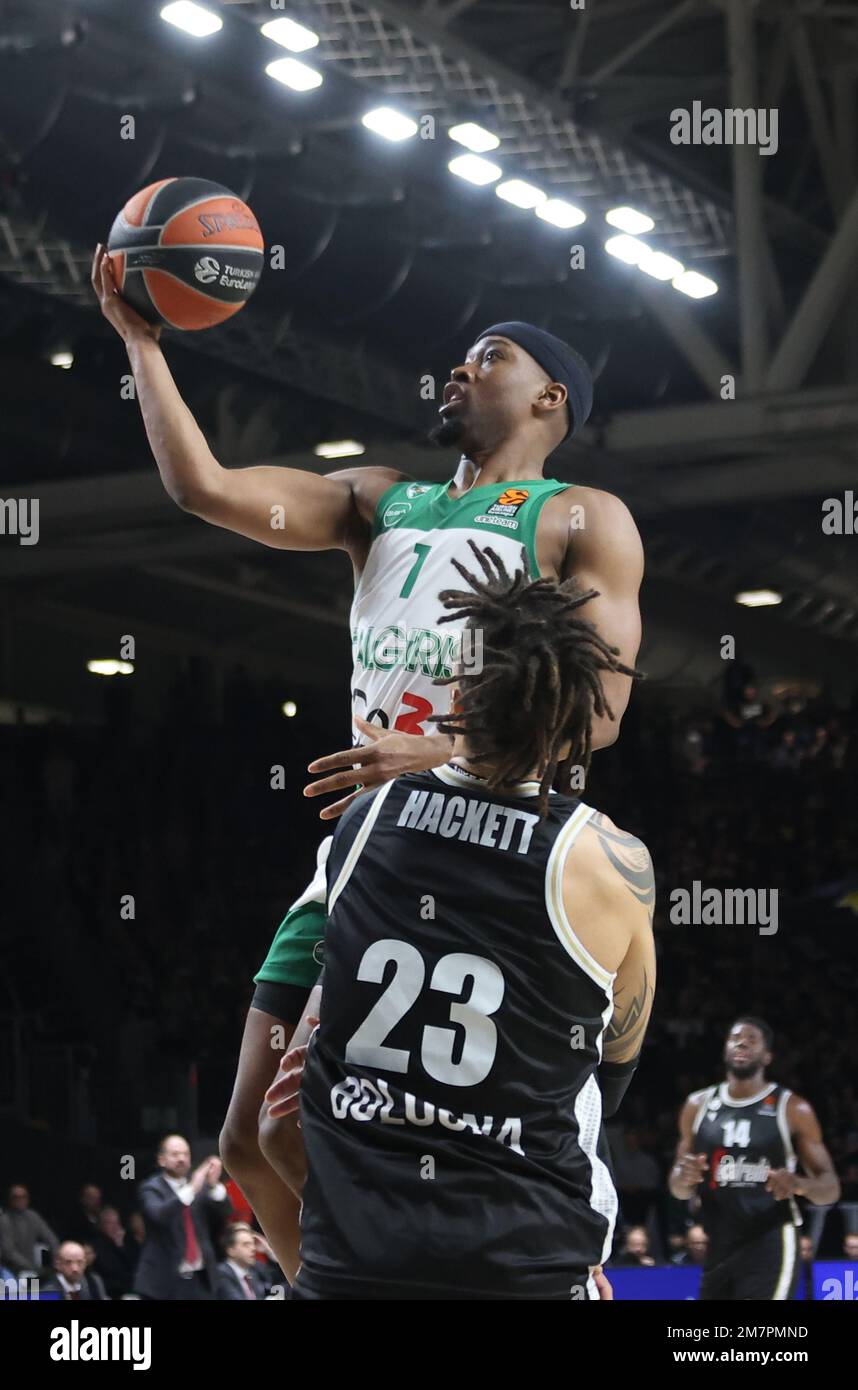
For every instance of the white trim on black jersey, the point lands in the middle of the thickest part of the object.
(359, 841)
(726, 1099)
(555, 907)
(460, 777)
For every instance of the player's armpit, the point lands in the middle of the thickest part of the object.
(606, 554)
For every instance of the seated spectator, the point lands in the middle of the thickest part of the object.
(26, 1237)
(788, 756)
(237, 1279)
(82, 1221)
(695, 1244)
(635, 1248)
(805, 1249)
(92, 1279)
(850, 1246)
(116, 1253)
(70, 1278)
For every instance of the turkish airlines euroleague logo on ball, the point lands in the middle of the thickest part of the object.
(207, 270)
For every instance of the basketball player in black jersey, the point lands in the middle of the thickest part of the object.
(489, 974)
(739, 1147)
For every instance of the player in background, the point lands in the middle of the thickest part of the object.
(453, 1093)
(517, 396)
(740, 1144)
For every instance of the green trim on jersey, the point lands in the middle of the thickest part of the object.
(295, 954)
(429, 507)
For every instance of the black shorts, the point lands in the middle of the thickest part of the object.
(303, 1290)
(765, 1269)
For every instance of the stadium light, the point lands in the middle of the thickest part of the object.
(759, 598)
(393, 125)
(109, 667)
(560, 213)
(629, 220)
(296, 37)
(293, 74)
(520, 194)
(660, 266)
(693, 284)
(474, 169)
(474, 137)
(62, 359)
(289, 709)
(339, 449)
(626, 248)
(194, 19)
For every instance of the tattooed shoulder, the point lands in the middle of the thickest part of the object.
(629, 857)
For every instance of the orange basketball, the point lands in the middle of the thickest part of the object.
(186, 253)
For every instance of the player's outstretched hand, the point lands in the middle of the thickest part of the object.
(127, 322)
(282, 1095)
(387, 753)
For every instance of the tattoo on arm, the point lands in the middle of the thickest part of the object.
(630, 1017)
(631, 859)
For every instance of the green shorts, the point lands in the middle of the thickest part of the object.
(296, 953)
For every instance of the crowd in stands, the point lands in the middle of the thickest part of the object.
(186, 821)
(92, 1254)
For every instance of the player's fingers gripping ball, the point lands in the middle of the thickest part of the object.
(186, 253)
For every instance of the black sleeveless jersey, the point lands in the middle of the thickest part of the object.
(743, 1141)
(450, 1105)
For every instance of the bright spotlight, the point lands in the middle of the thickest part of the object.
(389, 123)
(293, 74)
(194, 19)
(474, 169)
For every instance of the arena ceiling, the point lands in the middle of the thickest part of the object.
(392, 266)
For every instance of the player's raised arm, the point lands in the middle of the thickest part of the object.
(605, 553)
(288, 508)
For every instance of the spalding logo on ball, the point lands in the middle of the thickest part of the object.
(186, 253)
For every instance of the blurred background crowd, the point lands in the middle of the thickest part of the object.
(159, 860)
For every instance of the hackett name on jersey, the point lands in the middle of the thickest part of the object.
(361, 1099)
(474, 822)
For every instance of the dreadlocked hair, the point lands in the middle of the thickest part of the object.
(538, 684)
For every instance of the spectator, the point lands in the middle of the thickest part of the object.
(91, 1278)
(635, 1248)
(850, 1246)
(178, 1260)
(696, 1243)
(70, 1278)
(806, 1252)
(116, 1253)
(82, 1222)
(26, 1237)
(237, 1277)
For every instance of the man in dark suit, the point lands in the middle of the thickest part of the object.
(237, 1277)
(70, 1278)
(177, 1261)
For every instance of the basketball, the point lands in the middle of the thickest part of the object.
(186, 253)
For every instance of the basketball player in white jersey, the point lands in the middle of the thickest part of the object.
(519, 393)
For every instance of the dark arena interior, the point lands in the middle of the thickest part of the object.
(671, 188)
